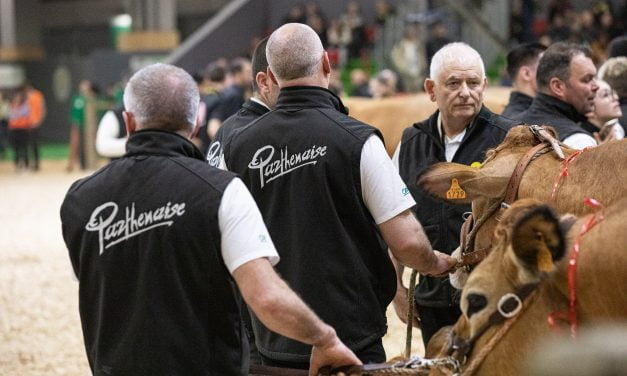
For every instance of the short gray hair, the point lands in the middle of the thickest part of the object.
(162, 96)
(294, 51)
(454, 53)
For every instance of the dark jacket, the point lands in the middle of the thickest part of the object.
(155, 298)
(301, 163)
(548, 110)
(518, 102)
(250, 111)
(421, 147)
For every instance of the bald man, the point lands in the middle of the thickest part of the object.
(461, 131)
(331, 199)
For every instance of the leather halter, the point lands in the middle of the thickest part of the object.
(460, 348)
(468, 231)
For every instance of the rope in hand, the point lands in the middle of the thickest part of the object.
(410, 313)
(571, 315)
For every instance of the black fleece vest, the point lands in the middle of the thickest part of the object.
(421, 147)
(155, 297)
(301, 162)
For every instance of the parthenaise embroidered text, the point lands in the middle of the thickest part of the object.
(270, 170)
(111, 232)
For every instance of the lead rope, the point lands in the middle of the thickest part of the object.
(410, 313)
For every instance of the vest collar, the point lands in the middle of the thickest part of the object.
(554, 104)
(158, 142)
(309, 96)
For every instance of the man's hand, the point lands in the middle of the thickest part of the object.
(401, 306)
(330, 351)
(442, 264)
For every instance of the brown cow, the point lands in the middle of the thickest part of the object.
(599, 173)
(530, 245)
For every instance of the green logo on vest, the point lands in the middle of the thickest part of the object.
(405, 191)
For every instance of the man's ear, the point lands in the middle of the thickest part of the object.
(194, 131)
(272, 77)
(525, 73)
(557, 87)
(326, 64)
(261, 78)
(129, 122)
(430, 88)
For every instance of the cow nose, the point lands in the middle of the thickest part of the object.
(476, 302)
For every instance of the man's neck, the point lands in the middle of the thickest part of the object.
(452, 127)
(316, 80)
(524, 88)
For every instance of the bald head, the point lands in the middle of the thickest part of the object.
(294, 51)
(162, 96)
(455, 54)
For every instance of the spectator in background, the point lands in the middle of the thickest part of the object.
(20, 123)
(408, 57)
(614, 72)
(111, 134)
(339, 37)
(438, 39)
(383, 11)
(603, 122)
(85, 93)
(618, 46)
(335, 80)
(296, 14)
(359, 83)
(559, 30)
(566, 91)
(210, 94)
(37, 105)
(4, 124)
(355, 22)
(522, 65)
(233, 96)
(384, 84)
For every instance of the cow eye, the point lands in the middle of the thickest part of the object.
(476, 303)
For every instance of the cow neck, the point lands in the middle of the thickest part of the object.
(469, 232)
(461, 348)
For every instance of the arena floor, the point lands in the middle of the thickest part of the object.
(40, 331)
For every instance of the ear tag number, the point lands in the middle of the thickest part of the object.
(455, 192)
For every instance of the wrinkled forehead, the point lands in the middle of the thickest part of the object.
(461, 69)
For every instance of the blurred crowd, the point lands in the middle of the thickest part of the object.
(349, 39)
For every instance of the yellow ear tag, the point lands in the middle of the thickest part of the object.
(475, 164)
(455, 192)
(545, 260)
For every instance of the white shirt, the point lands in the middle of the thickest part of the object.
(579, 141)
(243, 234)
(384, 192)
(108, 141)
(450, 144)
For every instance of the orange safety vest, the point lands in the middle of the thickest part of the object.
(19, 116)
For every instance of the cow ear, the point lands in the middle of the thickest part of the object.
(538, 239)
(459, 184)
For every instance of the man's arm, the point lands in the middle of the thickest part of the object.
(409, 244)
(388, 200)
(249, 253)
(282, 311)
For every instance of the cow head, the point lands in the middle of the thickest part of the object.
(484, 186)
(529, 240)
